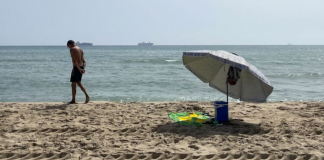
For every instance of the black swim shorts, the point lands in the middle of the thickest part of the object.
(76, 76)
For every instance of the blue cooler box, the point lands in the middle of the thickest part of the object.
(221, 111)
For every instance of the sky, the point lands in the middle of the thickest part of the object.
(163, 22)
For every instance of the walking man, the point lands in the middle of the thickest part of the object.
(79, 65)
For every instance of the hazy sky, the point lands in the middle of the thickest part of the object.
(164, 22)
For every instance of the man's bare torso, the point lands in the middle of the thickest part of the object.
(77, 53)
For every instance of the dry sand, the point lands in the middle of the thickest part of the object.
(110, 130)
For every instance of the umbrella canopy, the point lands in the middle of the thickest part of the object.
(212, 67)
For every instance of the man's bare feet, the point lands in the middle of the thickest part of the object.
(87, 99)
(72, 102)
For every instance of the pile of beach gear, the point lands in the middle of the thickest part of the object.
(199, 118)
(192, 118)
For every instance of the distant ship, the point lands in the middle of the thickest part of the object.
(145, 44)
(84, 44)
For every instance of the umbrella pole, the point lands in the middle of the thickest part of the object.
(227, 90)
(227, 97)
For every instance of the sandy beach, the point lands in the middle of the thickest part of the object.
(111, 130)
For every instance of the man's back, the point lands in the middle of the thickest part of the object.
(78, 54)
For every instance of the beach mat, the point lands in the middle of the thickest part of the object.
(190, 118)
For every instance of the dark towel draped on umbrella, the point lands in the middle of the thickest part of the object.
(233, 75)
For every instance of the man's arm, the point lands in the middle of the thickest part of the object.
(84, 62)
(75, 62)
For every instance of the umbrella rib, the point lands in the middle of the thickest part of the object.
(224, 66)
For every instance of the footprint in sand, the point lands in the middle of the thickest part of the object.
(194, 147)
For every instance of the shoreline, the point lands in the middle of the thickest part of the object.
(143, 128)
(230, 102)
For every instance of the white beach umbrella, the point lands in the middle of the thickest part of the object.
(212, 67)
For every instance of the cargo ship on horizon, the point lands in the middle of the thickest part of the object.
(83, 44)
(145, 44)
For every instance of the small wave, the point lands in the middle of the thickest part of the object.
(296, 75)
(316, 74)
(293, 75)
(170, 60)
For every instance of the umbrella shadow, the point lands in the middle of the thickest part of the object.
(234, 128)
(53, 107)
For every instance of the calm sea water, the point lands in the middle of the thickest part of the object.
(132, 73)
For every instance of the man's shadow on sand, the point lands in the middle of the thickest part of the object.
(54, 107)
(236, 128)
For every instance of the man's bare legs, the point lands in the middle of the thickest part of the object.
(84, 91)
(73, 92)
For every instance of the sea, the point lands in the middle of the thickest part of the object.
(151, 73)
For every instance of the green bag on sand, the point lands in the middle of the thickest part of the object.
(189, 118)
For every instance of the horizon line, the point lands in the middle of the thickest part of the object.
(171, 45)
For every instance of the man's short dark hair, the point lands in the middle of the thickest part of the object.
(70, 42)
